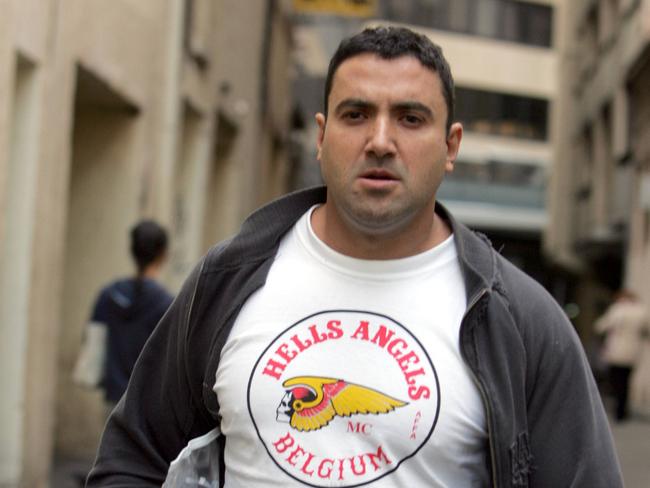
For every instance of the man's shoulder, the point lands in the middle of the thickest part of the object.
(522, 289)
(537, 314)
(478, 257)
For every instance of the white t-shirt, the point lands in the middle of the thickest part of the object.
(346, 372)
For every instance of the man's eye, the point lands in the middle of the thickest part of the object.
(353, 115)
(412, 119)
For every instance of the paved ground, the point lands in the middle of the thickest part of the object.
(633, 445)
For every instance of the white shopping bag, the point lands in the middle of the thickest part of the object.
(89, 368)
(197, 465)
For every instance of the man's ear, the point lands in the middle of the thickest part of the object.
(453, 145)
(320, 120)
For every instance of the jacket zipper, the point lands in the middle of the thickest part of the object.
(481, 389)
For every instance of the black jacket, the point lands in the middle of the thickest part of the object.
(546, 424)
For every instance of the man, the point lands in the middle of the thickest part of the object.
(356, 334)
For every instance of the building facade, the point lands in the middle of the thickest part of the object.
(110, 112)
(600, 193)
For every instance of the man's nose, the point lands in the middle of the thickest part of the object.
(381, 141)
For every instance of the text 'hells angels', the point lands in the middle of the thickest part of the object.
(382, 336)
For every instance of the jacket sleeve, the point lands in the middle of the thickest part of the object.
(570, 440)
(161, 409)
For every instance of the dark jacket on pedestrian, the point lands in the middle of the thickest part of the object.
(546, 424)
(130, 308)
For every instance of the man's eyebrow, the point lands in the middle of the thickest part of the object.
(359, 103)
(414, 106)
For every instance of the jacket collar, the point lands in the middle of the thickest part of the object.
(475, 254)
(262, 231)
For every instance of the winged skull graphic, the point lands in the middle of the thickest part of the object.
(311, 402)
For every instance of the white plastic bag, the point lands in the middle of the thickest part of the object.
(197, 465)
(89, 368)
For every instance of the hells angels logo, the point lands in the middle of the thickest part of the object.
(343, 398)
(312, 402)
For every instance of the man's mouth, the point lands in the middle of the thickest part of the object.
(378, 174)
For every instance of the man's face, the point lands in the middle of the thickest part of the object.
(383, 147)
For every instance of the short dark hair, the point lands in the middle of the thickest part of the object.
(390, 43)
(148, 243)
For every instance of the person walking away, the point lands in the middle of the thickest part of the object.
(128, 309)
(623, 324)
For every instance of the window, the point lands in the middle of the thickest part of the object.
(501, 114)
(508, 20)
(515, 184)
(499, 172)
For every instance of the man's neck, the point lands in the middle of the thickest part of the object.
(418, 236)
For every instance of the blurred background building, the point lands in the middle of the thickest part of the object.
(600, 192)
(195, 112)
(111, 111)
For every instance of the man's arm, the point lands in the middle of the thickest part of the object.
(570, 439)
(161, 409)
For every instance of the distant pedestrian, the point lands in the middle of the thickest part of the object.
(127, 311)
(624, 324)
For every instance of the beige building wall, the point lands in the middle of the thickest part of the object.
(638, 261)
(240, 106)
(599, 193)
(23, 49)
(535, 73)
(556, 235)
(111, 111)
